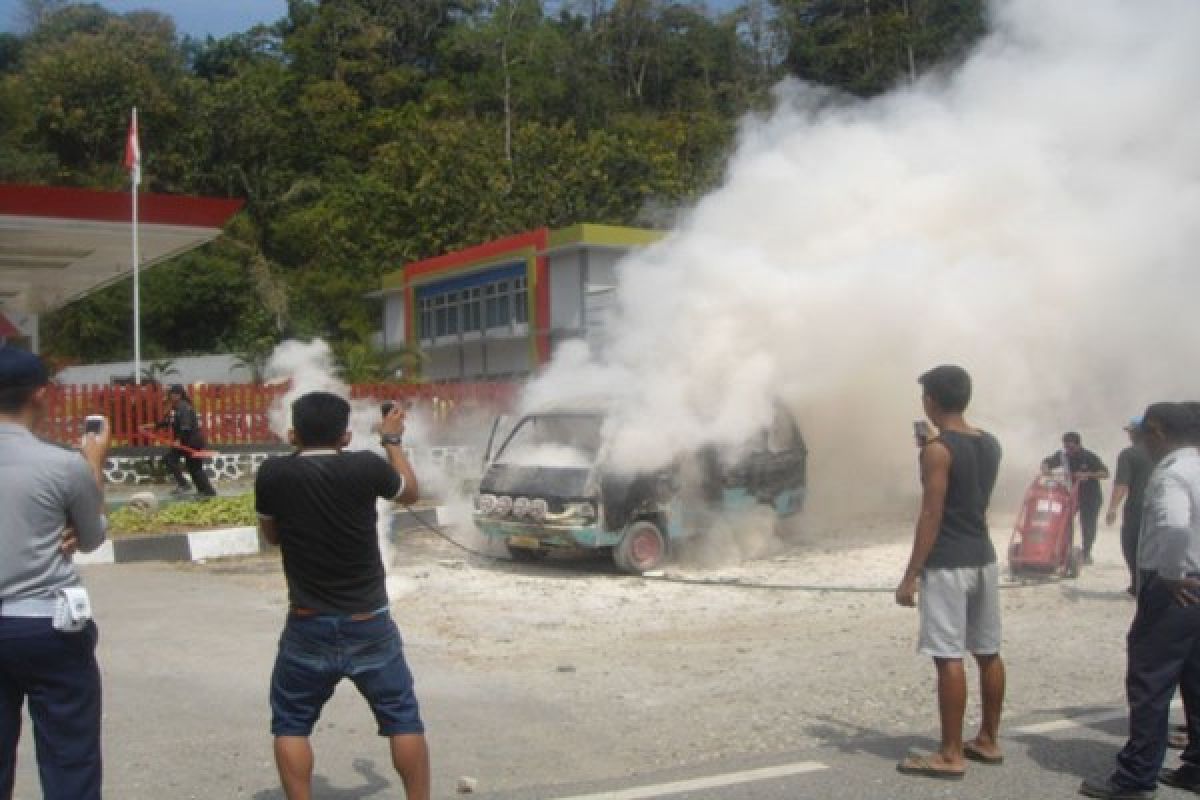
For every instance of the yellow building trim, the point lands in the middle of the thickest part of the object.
(603, 236)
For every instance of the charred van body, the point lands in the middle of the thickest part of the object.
(547, 486)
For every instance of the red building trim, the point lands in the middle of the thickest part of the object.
(537, 278)
(7, 329)
(480, 252)
(57, 202)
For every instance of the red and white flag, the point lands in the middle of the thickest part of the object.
(133, 152)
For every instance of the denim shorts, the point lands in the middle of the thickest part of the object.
(317, 652)
(960, 612)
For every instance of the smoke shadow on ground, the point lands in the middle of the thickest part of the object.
(1080, 757)
(851, 739)
(1075, 595)
(375, 785)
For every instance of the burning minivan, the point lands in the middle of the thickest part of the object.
(547, 486)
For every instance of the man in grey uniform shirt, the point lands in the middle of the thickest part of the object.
(51, 502)
(1164, 639)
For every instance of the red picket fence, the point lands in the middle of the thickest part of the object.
(237, 414)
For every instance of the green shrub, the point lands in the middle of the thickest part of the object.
(219, 512)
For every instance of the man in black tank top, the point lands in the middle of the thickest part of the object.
(953, 570)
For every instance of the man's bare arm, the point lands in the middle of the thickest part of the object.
(393, 424)
(1119, 493)
(269, 530)
(935, 478)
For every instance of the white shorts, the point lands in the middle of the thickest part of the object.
(960, 612)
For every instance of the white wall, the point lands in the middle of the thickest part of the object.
(393, 320)
(602, 265)
(566, 291)
(192, 369)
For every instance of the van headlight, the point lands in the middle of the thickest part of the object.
(585, 511)
(485, 503)
(520, 507)
(504, 504)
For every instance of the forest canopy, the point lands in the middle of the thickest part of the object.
(363, 134)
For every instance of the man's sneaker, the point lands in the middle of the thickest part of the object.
(1107, 790)
(1186, 777)
(179, 491)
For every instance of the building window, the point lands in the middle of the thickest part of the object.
(520, 302)
(487, 306)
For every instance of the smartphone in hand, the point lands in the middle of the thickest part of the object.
(93, 423)
(922, 432)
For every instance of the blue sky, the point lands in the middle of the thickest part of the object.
(203, 17)
(197, 17)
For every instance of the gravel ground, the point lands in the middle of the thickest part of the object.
(643, 674)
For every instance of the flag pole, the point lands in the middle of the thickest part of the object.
(135, 179)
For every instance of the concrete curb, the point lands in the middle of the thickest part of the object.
(203, 545)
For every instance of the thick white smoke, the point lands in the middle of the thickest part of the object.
(1032, 217)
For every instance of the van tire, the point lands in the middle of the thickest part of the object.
(641, 549)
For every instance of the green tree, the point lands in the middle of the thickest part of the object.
(868, 46)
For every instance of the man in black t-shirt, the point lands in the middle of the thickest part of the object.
(1129, 485)
(1086, 468)
(319, 505)
(953, 568)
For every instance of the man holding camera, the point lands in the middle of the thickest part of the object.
(51, 502)
(319, 505)
(952, 575)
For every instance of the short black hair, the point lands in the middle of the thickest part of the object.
(15, 398)
(1193, 410)
(1176, 420)
(1072, 437)
(320, 419)
(948, 386)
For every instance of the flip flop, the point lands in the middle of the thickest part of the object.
(923, 767)
(973, 753)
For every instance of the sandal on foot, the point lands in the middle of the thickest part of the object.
(924, 767)
(973, 753)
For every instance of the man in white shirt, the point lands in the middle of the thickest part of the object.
(1164, 640)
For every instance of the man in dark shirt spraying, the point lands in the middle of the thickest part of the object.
(184, 426)
(1087, 468)
(318, 505)
(953, 568)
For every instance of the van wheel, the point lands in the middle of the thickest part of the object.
(642, 548)
(526, 555)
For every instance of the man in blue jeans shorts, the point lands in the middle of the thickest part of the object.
(318, 505)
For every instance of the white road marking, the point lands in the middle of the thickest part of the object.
(1070, 722)
(710, 782)
(1078, 722)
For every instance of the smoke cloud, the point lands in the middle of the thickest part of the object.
(1031, 216)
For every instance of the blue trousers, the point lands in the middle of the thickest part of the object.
(1164, 653)
(57, 673)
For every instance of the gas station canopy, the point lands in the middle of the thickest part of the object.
(58, 244)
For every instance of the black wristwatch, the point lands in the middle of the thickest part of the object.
(391, 438)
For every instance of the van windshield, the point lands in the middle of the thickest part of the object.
(553, 440)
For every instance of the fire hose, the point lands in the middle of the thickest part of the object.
(719, 583)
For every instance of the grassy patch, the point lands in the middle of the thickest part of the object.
(219, 512)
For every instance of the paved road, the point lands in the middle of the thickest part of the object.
(1046, 755)
(187, 650)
